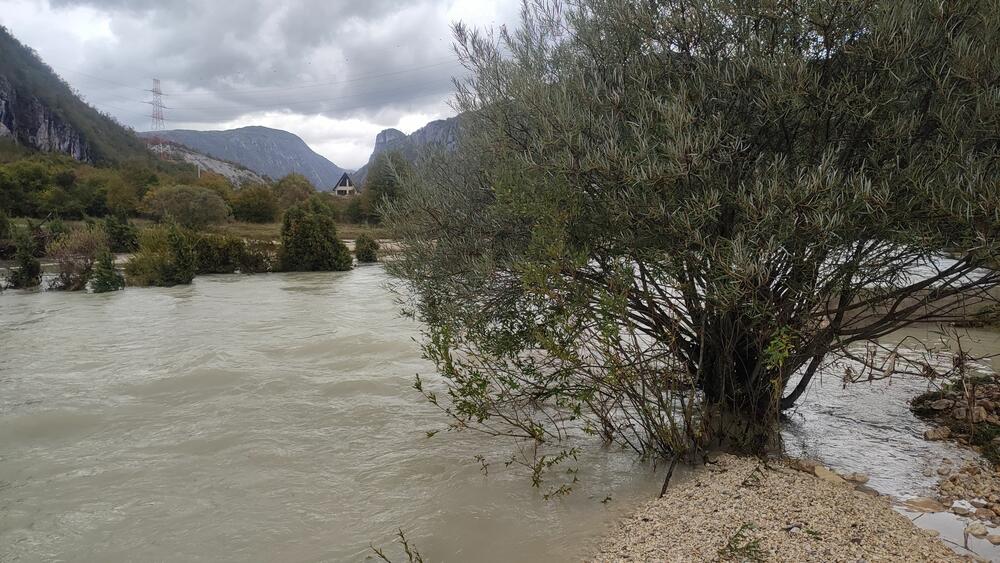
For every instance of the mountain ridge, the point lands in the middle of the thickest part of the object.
(440, 132)
(269, 152)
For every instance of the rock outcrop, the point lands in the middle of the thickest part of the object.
(28, 122)
(442, 133)
(236, 174)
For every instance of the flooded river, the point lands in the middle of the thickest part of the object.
(272, 417)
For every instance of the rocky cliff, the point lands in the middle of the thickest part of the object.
(40, 111)
(270, 152)
(441, 133)
(27, 121)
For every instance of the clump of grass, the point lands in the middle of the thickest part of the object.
(742, 546)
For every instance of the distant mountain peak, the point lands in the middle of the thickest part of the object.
(266, 151)
(441, 132)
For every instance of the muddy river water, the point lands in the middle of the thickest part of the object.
(272, 417)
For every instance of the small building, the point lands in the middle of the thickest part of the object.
(345, 186)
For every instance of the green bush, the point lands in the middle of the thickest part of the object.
(105, 277)
(27, 270)
(122, 235)
(293, 189)
(366, 248)
(218, 254)
(193, 207)
(75, 252)
(166, 257)
(255, 204)
(309, 240)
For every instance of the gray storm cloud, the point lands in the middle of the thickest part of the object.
(372, 62)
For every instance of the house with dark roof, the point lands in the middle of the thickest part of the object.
(345, 186)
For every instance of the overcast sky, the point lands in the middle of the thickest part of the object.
(334, 72)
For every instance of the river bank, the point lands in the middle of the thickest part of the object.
(744, 509)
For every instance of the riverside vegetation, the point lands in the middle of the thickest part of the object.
(194, 232)
(663, 218)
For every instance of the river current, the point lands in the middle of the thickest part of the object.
(272, 418)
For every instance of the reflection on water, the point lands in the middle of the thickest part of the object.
(272, 418)
(256, 418)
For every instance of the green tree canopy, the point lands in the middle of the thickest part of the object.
(292, 189)
(190, 206)
(309, 240)
(255, 204)
(665, 216)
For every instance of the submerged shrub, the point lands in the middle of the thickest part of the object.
(27, 270)
(309, 240)
(257, 257)
(105, 276)
(366, 248)
(75, 253)
(218, 254)
(166, 257)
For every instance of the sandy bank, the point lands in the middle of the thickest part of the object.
(741, 510)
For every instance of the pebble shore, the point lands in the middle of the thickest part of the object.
(743, 509)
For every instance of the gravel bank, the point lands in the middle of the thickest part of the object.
(740, 510)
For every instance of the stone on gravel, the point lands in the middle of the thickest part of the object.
(939, 433)
(924, 504)
(942, 404)
(827, 475)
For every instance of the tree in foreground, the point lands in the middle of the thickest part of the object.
(366, 248)
(666, 217)
(309, 240)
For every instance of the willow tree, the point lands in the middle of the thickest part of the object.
(666, 216)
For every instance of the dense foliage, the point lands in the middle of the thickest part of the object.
(293, 189)
(193, 207)
(309, 239)
(166, 257)
(44, 185)
(664, 217)
(366, 248)
(255, 204)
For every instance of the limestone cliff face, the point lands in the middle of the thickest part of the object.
(28, 122)
(441, 133)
